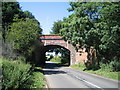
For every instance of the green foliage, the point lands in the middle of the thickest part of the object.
(27, 14)
(105, 71)
(94, 24)
(56, 59)
(36, 80)
(106, 67)
(39, 80)
(113, 66)
(110, 43)
(64, 58)
(56, 27)
(15, 74)
(19, 31)
(79, 66)
(80, 24)
(23, 34)
(92, 67)
(9, 9)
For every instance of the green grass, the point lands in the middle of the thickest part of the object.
(78, 66)
(112, 75)
(56, 59)
(38, 79)
(37, 67)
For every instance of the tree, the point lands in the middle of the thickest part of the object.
(11, 16)
(27, 14)
(9, 10)
(95, 24)
(22, 34)
(110, 40)
(56, 27)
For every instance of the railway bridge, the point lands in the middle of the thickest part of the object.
(49, 42)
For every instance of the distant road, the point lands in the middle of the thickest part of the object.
(66, 77)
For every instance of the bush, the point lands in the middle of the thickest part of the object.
(112, 66)
(115, 65)
(15, 74)
(105, 67)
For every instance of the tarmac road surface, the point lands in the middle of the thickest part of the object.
(66, 77)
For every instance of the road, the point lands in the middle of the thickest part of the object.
(67, 77)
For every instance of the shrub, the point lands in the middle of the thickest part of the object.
(112, 66)
(105, 67)
(115, 65)
(15, 74)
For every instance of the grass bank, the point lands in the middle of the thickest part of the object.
(104, 73)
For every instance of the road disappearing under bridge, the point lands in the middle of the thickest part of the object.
(67, 77)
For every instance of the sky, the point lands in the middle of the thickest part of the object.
(47, 12)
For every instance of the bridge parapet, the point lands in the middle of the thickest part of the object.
(51, 37)
(53, 40)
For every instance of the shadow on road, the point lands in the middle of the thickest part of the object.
(49, 72)
(52, 68)
(52, 65)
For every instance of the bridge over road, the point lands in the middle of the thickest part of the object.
(48, 42)
(56, 41)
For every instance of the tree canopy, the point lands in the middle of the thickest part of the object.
(95, 24)
(23, 34)
(57, 26)
(20, 29)
(11, 11)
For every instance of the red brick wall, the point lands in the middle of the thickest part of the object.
(75, 57)
(50, 36)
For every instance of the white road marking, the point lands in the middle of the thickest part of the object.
(89, 83)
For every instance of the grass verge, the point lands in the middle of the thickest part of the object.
(108, 74)
(38, 79)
